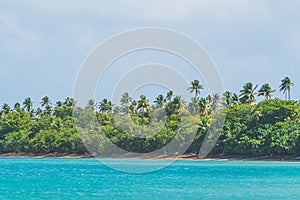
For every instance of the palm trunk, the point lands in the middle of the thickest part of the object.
(143, 123)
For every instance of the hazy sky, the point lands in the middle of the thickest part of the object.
(43, 43)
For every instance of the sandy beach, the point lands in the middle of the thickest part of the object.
(183, 157)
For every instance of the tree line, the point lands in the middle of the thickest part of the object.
(270, 127)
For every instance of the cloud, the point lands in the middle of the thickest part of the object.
(157, 10)
(14, 39)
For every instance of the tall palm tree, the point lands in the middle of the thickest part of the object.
(226, 98)
(177, 104)
(105, 106)
(17, 106)
(69, 102)
(285, 86)
(39, 112)
(110, 107)
(195, 87)
(28, 105)
(126, 99)
(58, 104)
(117, 110)
(209, 99)
(45, 102)
(193, 106)
(143, 106)
(247, 93)
(215, 101)
(235, 100)
(169, 95)
(180, 102)
(6, 108)
(266, 91)
(203, 107)
(132, 107)
(160, 101)
(91, 105)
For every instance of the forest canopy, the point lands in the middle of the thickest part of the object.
(270, 127)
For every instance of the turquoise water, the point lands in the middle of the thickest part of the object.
(87, 178)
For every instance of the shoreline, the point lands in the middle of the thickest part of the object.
(183, 157)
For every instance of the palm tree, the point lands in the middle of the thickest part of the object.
(203, 107)
(69, 102)
(181, 104)
(58, 104)
(132, 107)
(5, 108)
(28, 104)
(91, 105)
(226, 98)
(126, 99)
(209, 99)
(110, 107)
(235, 100)
(45, 102)
(193, 106)
(266, 91)
(17, 106)
(160, 101)
(195, 87)
(215, 101)
(39, 112)
(105, 106)
(285, 86)
(177, 104)
(247, 93)
(117, 110)
(169, 95)
(143, 106)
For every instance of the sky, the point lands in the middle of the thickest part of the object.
(44, 43)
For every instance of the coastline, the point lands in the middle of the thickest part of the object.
(183, 157)
(47, 155)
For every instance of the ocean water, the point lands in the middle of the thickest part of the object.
(52, 178)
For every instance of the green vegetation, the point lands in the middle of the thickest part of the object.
(270, 127)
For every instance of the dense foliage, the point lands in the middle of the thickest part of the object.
(270, 127)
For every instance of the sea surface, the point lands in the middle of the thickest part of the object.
(50, 178)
